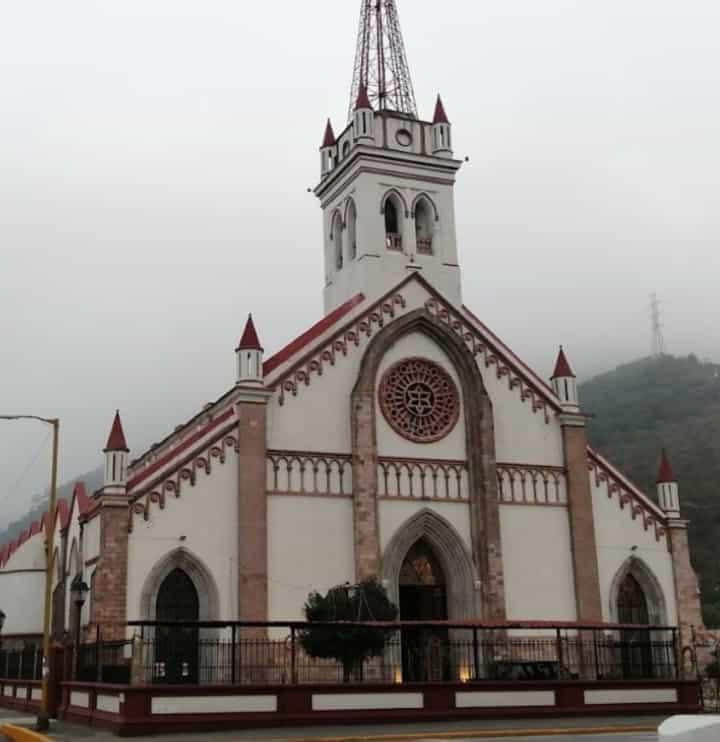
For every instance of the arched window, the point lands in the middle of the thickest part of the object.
(393, 225)
(424, 227)
(636, 654)
(351, 222)
(346, 149)
(176, 647)
(336, 237)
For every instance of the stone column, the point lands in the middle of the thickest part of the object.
(582, 524)
(364, 464)
(687, 594)
(109, 601)
(252, 505)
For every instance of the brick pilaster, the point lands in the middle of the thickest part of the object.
(252, 506)
(687, 597)
(582, 525)
(109, 600)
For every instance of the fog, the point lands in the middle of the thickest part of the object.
(155, 157)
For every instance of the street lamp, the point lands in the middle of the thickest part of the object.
(78, 595)
(43, 719)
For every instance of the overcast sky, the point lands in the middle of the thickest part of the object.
(155, 157)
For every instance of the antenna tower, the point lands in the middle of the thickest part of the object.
(658, 341)
(380, 61)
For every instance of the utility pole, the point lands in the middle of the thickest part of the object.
(43, 719)
(658, 341)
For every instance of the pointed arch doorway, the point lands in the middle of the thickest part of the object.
(423, 597)
(176, 653)
(636, 650)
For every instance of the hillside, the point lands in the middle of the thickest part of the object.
(674, 402)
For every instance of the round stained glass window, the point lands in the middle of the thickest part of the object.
(419, 400)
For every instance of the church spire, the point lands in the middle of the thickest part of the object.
(380, 63)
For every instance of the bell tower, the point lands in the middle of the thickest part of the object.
(387, 180)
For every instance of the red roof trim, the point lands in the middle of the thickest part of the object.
(318, 329)
(183, 446)
(665, 475)
(363, 102)
(531, 377)
(116, 439)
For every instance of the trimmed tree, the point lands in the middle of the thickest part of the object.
(349, 645)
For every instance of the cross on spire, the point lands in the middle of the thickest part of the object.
(380, 63)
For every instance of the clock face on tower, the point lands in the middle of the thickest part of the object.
(419, 400)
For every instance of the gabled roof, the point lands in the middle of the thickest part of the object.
(249, 339)
(363, 102)
(116, 439)
(665, 474)
(562, 367)
(329, 138)
(440, 117)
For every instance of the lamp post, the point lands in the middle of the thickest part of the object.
(78, 595)
(43, 719)
(2, 623)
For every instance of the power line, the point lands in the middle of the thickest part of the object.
(33, 460)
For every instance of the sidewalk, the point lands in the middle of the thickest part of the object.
(573, 727)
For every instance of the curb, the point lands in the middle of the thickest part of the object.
(22, 734)
(475, 734)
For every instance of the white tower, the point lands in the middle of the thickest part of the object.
(564, 384)
(387, 182)
(249, 354)
(667, 488)
(116, 459)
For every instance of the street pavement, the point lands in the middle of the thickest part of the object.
(441, 732)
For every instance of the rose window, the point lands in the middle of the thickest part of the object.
(419, 400)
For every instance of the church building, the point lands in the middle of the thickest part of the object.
(397, 438)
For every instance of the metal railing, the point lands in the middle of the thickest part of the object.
(21, 664)
(271, 653)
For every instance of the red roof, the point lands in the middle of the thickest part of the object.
(83, 501)
(440, 116)
(665, 474)
(362, 100)
(562, 367)
(329, 138)
(249, 339)
(116, 439)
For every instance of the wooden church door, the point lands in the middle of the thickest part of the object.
(635, 643)
(176, 648)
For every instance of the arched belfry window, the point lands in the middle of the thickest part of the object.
(393, 212)
(351, 223)
(336, 237)
(424, 222)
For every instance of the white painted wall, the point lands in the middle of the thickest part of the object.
(30, 555)
(206, 516)
(310, 548)
(91, 539)
(616, 533)
(537, 563)
(21, 598)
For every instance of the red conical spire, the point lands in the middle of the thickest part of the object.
(665, 475)
(116, 439)
(362, 100)
(562, 367)
(329, 138)
(440, 117)
(249, 339)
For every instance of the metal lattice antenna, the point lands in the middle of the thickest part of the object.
(380, 61)
(658, 341)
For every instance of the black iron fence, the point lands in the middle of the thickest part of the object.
(237, 653)
(21, 663)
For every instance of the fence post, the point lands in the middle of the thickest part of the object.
(293, 657)
(561, 660)
(233, 656)
(595, 654)
(476, 654)
(98, 662)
